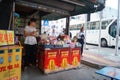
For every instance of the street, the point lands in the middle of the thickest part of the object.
(83, 73)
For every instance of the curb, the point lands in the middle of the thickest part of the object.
(95, 65)
(91, 64)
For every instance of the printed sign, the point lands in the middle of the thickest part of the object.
(75, 57)
(45, 23)
(64, 58)
(51, 60)
(6, 37)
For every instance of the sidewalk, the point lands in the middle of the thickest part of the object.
(95, 58)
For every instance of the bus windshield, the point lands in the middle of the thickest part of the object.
(113, 29)
(105, 23)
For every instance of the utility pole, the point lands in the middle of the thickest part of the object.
(117, 29)
(85, 28)
(100, 15)
(13, 18)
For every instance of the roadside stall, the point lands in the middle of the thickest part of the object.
(54, 54)
(10, 57)
(58, 55)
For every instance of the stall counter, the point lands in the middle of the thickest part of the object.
(58, 59)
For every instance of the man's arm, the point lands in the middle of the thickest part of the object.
(28, 33)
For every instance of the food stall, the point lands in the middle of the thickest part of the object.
(58, 55)
(10, 57)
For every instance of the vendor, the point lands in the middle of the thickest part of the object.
(30, 33)
(54, 34)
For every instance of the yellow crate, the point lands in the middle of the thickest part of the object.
(13, 60)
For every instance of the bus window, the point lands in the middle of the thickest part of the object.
(88, 26)
(78, 26)
(73, 27)
(105, 24)
(94, 25)
(112, 29)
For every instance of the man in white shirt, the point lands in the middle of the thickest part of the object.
(30, 33)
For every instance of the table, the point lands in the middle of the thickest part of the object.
(110, 72)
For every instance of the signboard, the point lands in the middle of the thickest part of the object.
(6, 37)
(45, 22)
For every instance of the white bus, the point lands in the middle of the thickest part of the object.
(108, 32)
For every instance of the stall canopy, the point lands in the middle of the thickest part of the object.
(46, 9)
(55, 9)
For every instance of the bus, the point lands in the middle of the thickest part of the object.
(108, 32)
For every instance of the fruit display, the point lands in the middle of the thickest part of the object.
(58, 42)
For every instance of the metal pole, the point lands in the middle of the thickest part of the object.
(67, 25)
(13, 14)
(117, 29)
(100, 15)
(85, 27)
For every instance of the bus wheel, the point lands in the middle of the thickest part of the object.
(104, 43)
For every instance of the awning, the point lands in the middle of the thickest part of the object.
(55, 9)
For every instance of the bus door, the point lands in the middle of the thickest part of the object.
(112, 33)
